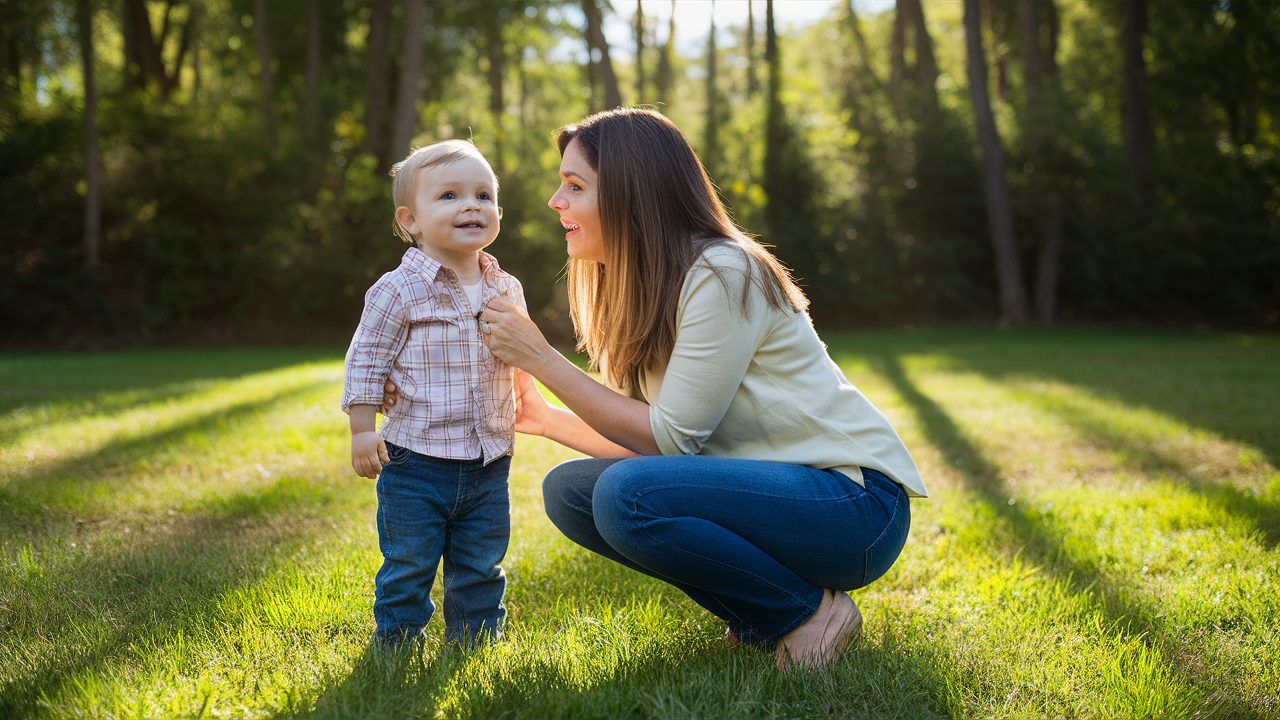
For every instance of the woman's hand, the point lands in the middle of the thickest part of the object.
(533, 414)
(390, 396)
(513, 338)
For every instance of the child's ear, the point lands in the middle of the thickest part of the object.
(405, 217)
(499, 213)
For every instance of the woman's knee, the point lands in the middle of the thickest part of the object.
(616, 500)
(567, 492)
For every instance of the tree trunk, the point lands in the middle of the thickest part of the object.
(1136, 124)
(1047, 263)
(376, 85)
(926, 69)
(410, 75)
(640, 80)
(998, 56)
(264, 60)
(311, 75)
(770, 37)
(497, 104)
(1013, 304)
(711, 140)
(897, 47)
(142, 51)
(753, 84)
(133, 78)
(663, 77)
(597, 41)
(197, 25)
(1030, 52)
(93, 185)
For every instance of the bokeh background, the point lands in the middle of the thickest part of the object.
(216, 172)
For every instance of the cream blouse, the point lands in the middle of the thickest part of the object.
(761, 386)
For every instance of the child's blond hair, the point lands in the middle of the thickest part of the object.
(405, 173)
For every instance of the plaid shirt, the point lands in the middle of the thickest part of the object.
(456, 399)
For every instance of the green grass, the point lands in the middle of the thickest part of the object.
(181, 535)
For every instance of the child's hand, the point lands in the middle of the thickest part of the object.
(368, 452)
(531, 407)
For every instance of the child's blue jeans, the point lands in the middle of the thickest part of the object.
(753, 542)
(431, 509)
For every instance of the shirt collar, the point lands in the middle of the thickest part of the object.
(421, 262)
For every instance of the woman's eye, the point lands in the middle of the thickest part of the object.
(448, 196)
(576, 188)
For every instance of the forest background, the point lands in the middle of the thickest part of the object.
(216, 172)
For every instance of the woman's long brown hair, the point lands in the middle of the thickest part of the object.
(658, 213)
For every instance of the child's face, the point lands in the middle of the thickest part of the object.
(454, 210)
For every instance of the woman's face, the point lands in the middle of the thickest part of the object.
(576, 201)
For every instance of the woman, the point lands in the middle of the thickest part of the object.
(729, 455)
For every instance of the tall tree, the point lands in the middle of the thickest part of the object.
(639, 29)
(597, 43)
(1136, 124)
(926, 66)
(93, 185)
(908, 16)
(144, 56)
(1013, 303)
(311, 73)
(664, 75)
(753, 83)
(264, 62)
(376, 83)
(197, 26)
(1040, 69)
(710, 137)
(495, 50)
(407, 92)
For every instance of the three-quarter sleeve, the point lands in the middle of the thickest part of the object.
(715, 343)
(377, 341)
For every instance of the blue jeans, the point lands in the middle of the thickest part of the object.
(431, 508)
(753, 542)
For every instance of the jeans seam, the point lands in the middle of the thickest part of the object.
(654, 488)
(867, 555)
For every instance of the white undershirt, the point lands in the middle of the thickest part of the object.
(473, 294)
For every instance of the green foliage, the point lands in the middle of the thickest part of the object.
(872, 194)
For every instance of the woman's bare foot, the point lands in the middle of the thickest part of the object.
(823, 638)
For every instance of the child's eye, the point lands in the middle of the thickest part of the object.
(483, 196)
(448, 196)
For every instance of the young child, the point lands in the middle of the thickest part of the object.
(442, 456)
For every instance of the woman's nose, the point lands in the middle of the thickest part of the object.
(556, 202)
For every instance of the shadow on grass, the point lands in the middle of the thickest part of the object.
(70, 475)
(77, 615)
(84, 384)
(1260, 511)
(1126, 613)
(629, 649)
(1212, 381)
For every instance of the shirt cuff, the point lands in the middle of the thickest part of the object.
(670, 439)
